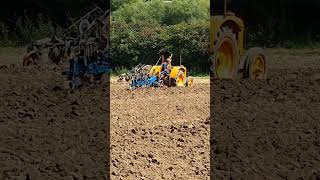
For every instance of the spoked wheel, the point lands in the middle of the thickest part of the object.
(28, 61)
(225, 57)
(84, 26)
(31, 59)
(189, 82)
(255, 64)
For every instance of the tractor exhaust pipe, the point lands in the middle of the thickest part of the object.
(225, 7)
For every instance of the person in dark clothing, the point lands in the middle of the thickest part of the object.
(166, 60)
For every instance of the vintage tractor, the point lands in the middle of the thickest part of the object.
(177, 76)
(157, 77)
(229, 59)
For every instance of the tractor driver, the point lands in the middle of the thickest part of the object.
(166, 65)
(169, 60)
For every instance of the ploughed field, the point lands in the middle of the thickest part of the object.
(161, 133)
(260, 129)
(47, 131)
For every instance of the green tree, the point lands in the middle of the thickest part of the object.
(186, 11)
(160, 12)
(139, 10)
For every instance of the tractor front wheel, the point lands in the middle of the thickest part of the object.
(255, 64)
(189, 82)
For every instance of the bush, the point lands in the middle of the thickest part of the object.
(28, 30)
(156, 11)
(141, 43)
(4, 34)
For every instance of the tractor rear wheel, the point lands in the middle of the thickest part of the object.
(172, 82)
(255, 64)
(225, 57)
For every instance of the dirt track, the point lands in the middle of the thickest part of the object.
(269, 129)
(259, 128)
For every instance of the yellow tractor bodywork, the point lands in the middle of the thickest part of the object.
(229, 59)
(155, 71)
(180, 73)
(230, 20)
(175, 70)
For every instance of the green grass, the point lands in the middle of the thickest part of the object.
(199, 74)
(119, 70)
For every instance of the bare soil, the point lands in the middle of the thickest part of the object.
(269, 129)
(160, 134)
(260, 129)
(46, 131)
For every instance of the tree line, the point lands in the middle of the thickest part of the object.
(271, 21)
(140, 28)
(23, 21)
(276, 22)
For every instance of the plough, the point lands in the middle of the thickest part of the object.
(85, 44)
(138, 70)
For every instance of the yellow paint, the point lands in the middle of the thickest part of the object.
(235, 23)
(190, 82)
(175, 70)
(155, 71)
(258, 68)
(225, 61)
(180, 80)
